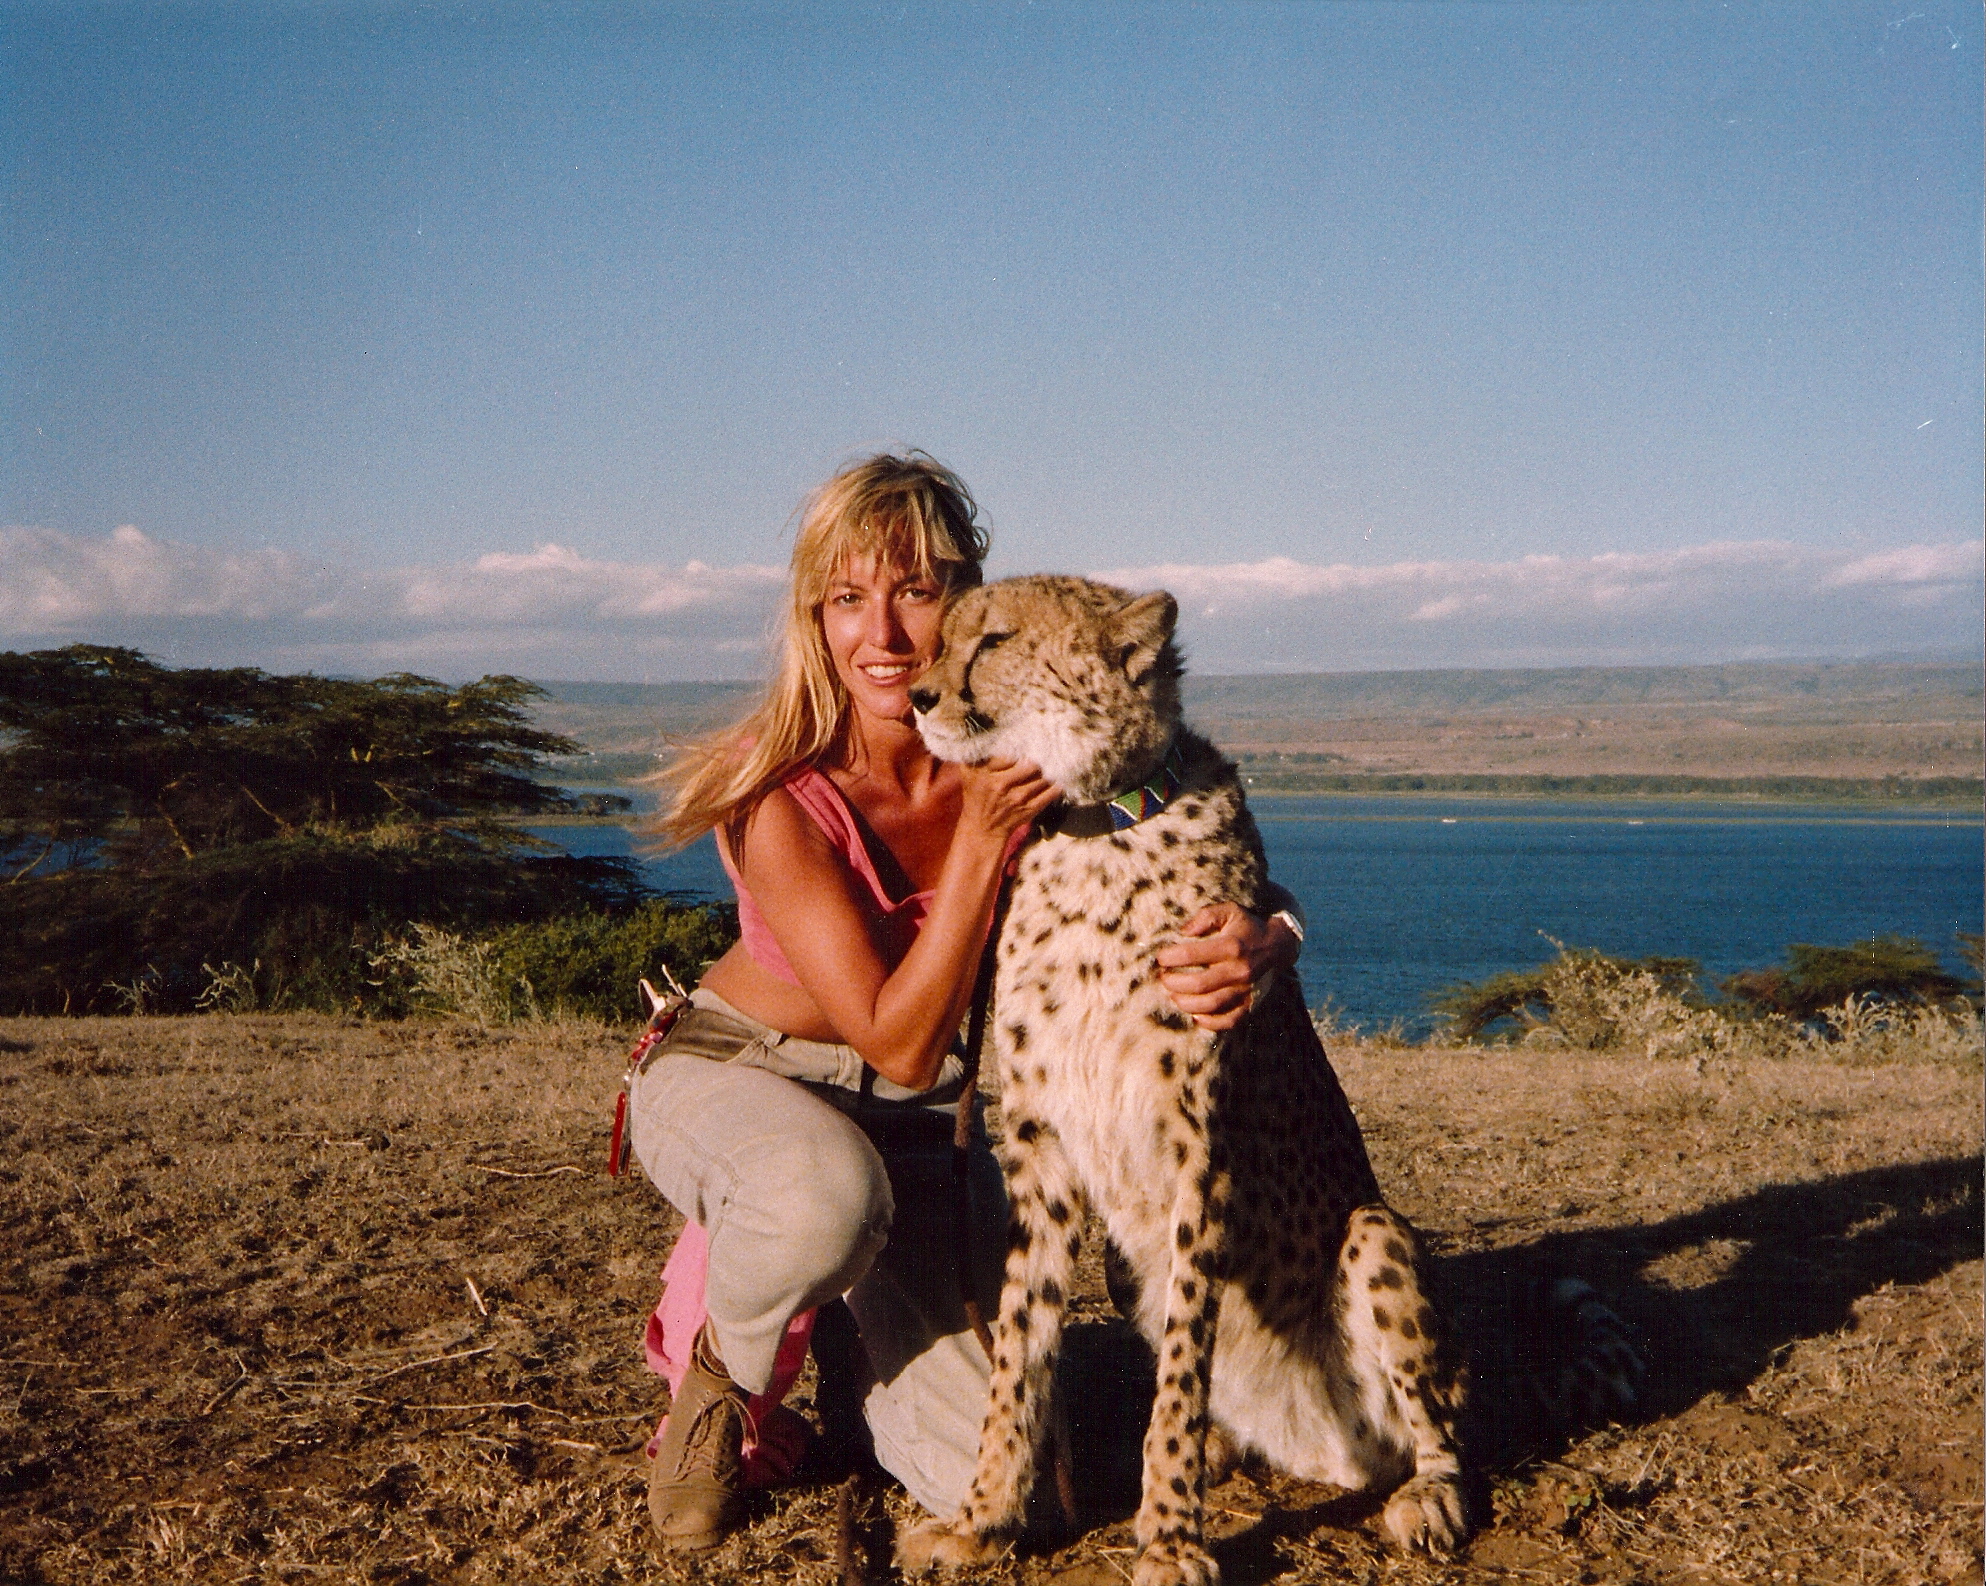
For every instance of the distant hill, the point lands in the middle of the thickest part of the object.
(1326, 696)
(1842, 722)
(626, 724)
(679, 698)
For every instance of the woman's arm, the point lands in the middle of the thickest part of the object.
(902, 1021)
(1224, 952)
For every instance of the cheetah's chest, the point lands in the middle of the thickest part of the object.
(1089, 1040)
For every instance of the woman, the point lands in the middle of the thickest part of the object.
(802, 1108)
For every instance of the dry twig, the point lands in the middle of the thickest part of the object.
(432, 1360)
(225, 1394)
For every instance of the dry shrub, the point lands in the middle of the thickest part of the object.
(230, 988)
(1600, 1006)
(1866, 1030)
(439, 972)
(1335, 1030)
(1597, 1008)
(1594, 1003)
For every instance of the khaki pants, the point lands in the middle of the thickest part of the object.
(815, 1177)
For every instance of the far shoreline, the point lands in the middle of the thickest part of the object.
(1873, 799)
(1899, 794)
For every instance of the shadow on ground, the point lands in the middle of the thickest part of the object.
(1714, 1297)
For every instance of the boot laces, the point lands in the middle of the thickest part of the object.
(707, 1448)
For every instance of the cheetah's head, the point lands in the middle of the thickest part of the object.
(1078, 677)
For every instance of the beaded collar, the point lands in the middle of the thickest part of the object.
(1141, 803)
(1124, 810)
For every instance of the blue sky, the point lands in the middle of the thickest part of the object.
(508, 337)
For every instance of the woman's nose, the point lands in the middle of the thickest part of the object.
(884, 629)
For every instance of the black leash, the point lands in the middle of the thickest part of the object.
(975, 1046)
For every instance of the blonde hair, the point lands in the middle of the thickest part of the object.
(908, 512)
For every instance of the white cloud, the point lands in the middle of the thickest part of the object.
(1446, 606)
(1718, 601)
(555, 613)
(550, 612)
(1914, 564)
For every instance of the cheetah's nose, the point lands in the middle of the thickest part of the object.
(922, 699)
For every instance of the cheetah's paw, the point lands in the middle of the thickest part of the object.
(944, 1544)
(1172, 1561)
(1429, 1513)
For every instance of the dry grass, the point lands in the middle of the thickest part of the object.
(291, 1299)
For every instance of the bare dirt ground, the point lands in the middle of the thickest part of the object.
(290, 1299)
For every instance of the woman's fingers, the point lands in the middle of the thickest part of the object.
(1212, 969)
(1206, 974)
(1005, 794)
(1222, 933)
(1219, 1009)
(1199, 979)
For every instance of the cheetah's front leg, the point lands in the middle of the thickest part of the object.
(1044, 1236)
(1169, 1517)
(1412, 1378)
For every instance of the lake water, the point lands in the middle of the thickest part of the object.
(1406, 895)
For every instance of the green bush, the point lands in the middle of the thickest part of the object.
(1886, 968)
(588, 963)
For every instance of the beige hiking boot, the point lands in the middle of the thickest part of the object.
(693, 1485)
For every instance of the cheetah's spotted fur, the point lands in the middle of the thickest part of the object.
(1286, 1302)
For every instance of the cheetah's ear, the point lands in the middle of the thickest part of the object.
(1137, 632)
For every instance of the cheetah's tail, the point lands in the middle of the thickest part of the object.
(1586, 1369)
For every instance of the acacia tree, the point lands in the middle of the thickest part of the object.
(1888, 968)
(238, 817)
(105, 743)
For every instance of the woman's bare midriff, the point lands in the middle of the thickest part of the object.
(739, 980)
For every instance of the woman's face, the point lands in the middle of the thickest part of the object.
(881, 625)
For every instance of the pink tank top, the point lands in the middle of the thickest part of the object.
(895, 921)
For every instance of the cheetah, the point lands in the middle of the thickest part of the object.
(1288, 1305)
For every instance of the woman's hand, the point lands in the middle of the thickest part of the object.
(1002, 796)
(1223, 953)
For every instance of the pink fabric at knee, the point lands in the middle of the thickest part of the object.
(777, 1436)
